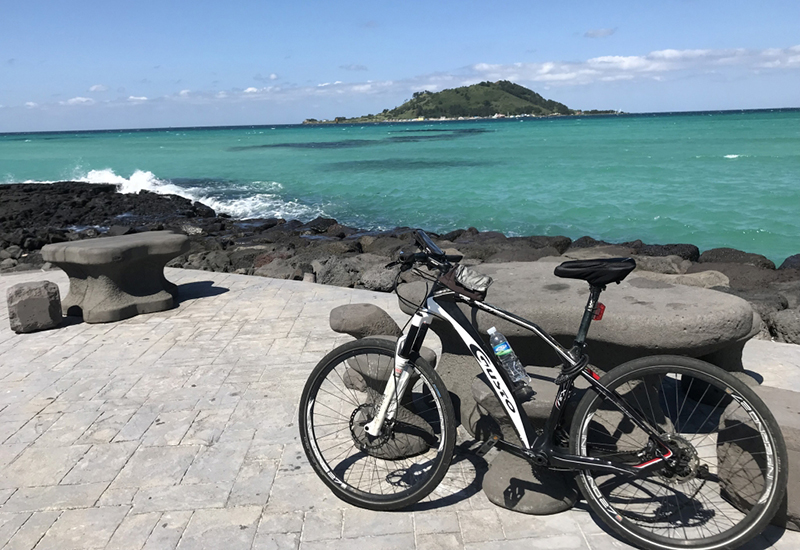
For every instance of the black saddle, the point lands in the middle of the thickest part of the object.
(597, 272)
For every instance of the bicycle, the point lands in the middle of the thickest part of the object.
(670, 452)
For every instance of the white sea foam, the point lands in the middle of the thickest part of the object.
(255, 200)
(731, 156)
(140, 180)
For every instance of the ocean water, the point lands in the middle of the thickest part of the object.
(711, 179)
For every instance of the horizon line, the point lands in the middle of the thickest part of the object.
(487, 119)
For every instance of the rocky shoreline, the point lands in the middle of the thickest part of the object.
(322, 250)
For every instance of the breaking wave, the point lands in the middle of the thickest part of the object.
(256, 199)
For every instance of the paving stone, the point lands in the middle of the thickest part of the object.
(54, 497)
(253, 483)
(32, 531)
(67, 429)
(276, 541)
(367, 523)
(230, 528)
(439, 521)
(480, 526)
(322, 525)
(37, 466)
(133, 531)
(118, 496)
(286, 522)
(35, 427)
(169, 428)
(101, 463)
(181, 497)
(135, 428)
(207, 427)
(5, 494)
(562, 542)
(82, 529)
(402, 541)
(168, 530)
(151, 466)
(9, 524)
(443, 541)
(106, 426)
(217, 463)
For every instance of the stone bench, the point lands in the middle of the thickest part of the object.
(643, 317)
(113, 278)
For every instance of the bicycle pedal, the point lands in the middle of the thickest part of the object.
(487, 445)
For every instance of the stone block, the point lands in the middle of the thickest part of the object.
(516, 484)
(33, 306)
(362, 320)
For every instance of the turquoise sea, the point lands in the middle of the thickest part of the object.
(712, 179)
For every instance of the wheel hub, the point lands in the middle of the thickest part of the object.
(362, 416)
(684, 465)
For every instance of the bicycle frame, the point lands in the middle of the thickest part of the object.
(537, 446)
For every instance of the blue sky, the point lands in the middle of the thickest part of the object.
(77, 64)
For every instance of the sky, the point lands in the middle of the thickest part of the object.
(83, 65)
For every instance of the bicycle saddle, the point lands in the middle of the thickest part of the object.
(597, 272)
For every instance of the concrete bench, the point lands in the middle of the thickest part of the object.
(113, 278)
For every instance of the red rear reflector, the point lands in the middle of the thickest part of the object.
(598, 311)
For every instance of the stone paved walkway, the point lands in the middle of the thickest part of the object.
(178, 430)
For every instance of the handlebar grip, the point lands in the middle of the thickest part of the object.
(454, 258)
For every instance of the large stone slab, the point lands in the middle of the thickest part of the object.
(114, 278)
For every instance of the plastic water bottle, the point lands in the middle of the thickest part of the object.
(508, 358)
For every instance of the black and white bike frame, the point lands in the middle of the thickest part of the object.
(537, 446)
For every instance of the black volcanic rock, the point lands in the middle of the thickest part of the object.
(731, 255)
(792, 262)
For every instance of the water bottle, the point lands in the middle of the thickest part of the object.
(508, 358)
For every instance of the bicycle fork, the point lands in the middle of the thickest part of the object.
(397, 383)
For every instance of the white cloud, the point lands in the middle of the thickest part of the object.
(184, 93)
(353, 67)
(610, 68)
(78, 101)
(31, 105)
(273, 76)
(251, 90)
(99, 88)
(599, 33)
(137, 99)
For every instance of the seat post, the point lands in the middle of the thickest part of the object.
(588, 314)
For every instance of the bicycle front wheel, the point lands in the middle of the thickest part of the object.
(411, 455)
(729, 471)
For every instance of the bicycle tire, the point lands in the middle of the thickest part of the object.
(704, 503)
(408, 459)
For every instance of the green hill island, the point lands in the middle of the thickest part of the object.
(499, 99)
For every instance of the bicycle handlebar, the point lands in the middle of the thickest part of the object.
(431, 255)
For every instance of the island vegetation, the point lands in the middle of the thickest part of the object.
(484, 100)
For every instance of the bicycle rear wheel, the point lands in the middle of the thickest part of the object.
(730, 471)
(411, 455)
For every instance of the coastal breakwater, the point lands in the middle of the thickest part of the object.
(322, 250)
